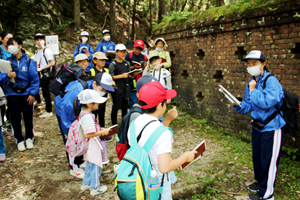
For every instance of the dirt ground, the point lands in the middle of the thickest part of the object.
(43, 172)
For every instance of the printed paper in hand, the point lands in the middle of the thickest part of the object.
(229, 96)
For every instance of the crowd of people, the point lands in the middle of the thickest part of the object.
(135, 78)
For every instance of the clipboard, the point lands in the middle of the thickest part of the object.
(5, 67)
(229, 96)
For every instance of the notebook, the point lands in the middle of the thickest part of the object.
(5, 67)
(200, 149)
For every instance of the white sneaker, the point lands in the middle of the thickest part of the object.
(98, 190)
(84, 187)
(46, 114)
(78, 173)
(29, 143)
(21, 146)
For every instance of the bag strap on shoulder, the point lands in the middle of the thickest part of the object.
(265, 81)
(130, 55)
(154, 136)
(140, 134)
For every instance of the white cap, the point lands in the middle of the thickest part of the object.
(153, 173)
(84, 33)
(120, 47)
(80, 57)
(105, 31)
(90, 96)
(105, 81)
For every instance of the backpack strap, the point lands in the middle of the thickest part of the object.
(93, 72)
(140, 134)
(154, 136)
(265, 81)
(1, 53)
(132, 134)
(106, 70)
(44, 55)
(145, 57)
(130, 55)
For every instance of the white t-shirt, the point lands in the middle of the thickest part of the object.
(39, 57)
(163, 76)
(93, 155)
(162, 145)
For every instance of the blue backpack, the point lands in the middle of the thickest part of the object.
(135, 168)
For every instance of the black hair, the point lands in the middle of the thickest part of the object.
(153, 59)
(5, 33)
(77, 108)
(17, 40)
(139, 48)
(150, 110)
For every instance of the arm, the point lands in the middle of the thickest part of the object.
(34, 79)
(166, 164)
(76, 51)
(51, 63)
(103, 132)
(112, 72)
(270, 96)
(168, 58)
(170, 116)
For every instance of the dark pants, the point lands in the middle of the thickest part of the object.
(100, 114)
(118, 103)
(45, 84)
(266, 150)
(18, 105)
(77, 160)
(38, 98)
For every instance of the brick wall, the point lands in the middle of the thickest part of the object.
(206, 54)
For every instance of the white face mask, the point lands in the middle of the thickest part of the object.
(84, 39)
(145, 51)
(254, 71)
(101, 93)
(106, 38)
(13, 49)
(42, 44)
(156, 67)
(157, 49)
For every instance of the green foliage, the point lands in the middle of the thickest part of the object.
(238, 8)
(62, 27)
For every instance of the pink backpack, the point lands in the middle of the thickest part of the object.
(77, 144)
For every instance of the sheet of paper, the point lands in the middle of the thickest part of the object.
(52, 43)
(5, 67)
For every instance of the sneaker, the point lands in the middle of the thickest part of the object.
(29, 143)
(82, 166)
(4, 131)
(107, 139)
(98, 190)
(84, 187)
(78, 173)
(21, 146)
(254, 187)
(257, 197)
(46, 114)
(2, 157)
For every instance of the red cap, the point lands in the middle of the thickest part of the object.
(139, 43)
(153, 93)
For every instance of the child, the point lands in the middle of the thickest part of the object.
(119, 71)
(89, 100)
(152, 99)
(99, 60)
(106, 45)
(85, 48)
(163, 75)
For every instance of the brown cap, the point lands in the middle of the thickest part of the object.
(99, 55)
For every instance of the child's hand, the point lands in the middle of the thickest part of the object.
(172, 114)
(189, 156)
(11, 74)
(125, 75)
(66, 137)
(105, 131)
(252, 85)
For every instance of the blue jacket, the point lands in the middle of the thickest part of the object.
(90, 48)
(64, 105)
(261, 102)
(5, 55)
(104, 46)
(26, 73)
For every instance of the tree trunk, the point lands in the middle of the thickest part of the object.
(133, 19)
(219, 3)
(183, 6)
(191, 4)
(77, 14)
(172, 6)
(162, 10)
(129, 19)
(150, 9)
(113, 28)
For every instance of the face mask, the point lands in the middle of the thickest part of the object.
(145, 51)
(13, 49)
(129, 51)
(157, 49)
(156, 67)
(101, 93)
(254, 71)
(84, 39)
(106, 38)
(42, 44)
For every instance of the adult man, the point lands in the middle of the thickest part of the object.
(106, 46)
